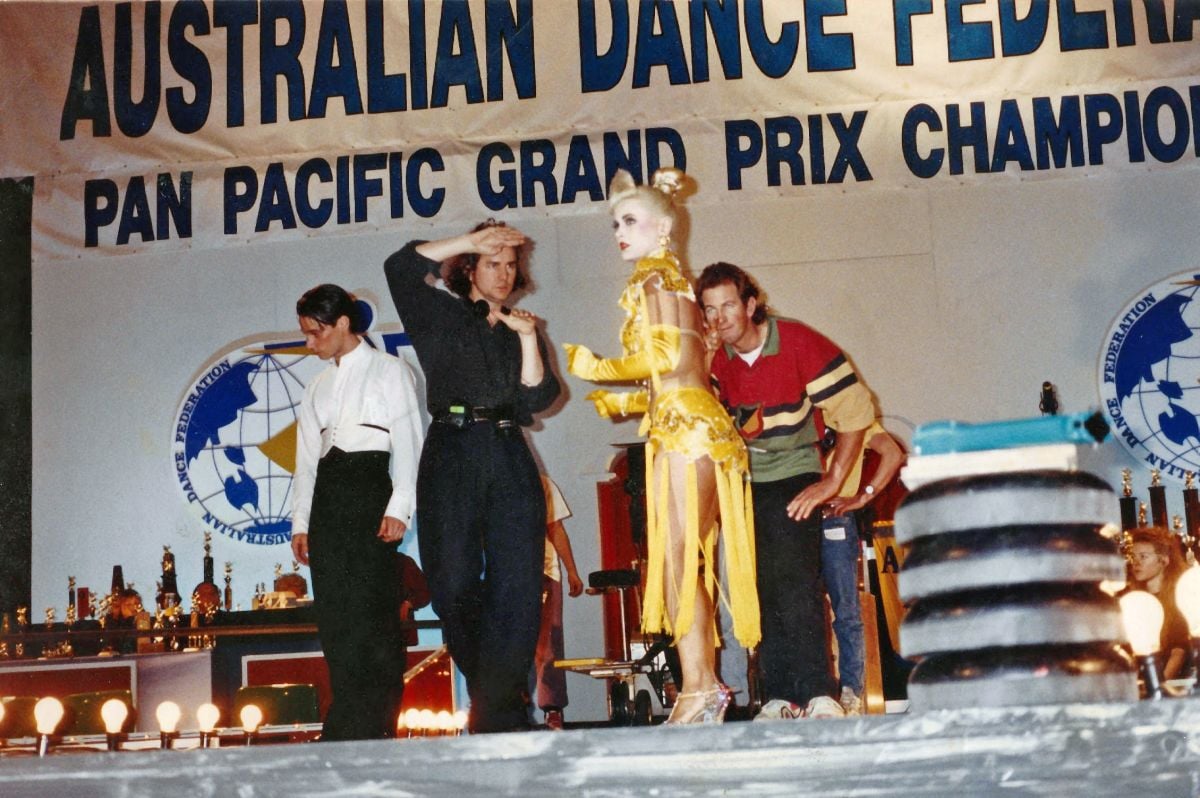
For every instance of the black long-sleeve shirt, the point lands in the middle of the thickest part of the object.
(465, 360)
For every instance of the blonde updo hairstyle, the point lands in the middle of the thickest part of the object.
(659, 195)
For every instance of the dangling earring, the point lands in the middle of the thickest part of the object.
(664, 240)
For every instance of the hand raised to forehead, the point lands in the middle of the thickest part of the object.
(490, 240)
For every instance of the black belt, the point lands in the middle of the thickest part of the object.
(461, 417)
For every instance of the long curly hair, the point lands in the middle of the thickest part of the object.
(1165, 546)
(461, 267)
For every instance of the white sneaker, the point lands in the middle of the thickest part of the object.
(824, 706)
(851, 702)
(779, 709)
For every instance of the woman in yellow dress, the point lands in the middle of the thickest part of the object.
(695, 461)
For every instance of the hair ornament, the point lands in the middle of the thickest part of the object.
(668, 180)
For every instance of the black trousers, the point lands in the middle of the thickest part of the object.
(482, 533)
(793, 656)
(357, 595)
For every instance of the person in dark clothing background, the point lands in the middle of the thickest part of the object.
(482, 511)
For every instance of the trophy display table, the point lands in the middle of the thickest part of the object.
(257, 647)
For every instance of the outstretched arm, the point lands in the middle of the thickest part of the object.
(658, 354)
(847, 448)
(891, 457)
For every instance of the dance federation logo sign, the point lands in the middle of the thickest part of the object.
(234, 441)
(1149, 376)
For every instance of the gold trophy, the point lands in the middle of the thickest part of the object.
(22, 626)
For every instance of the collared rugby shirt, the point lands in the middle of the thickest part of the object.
(772, 400)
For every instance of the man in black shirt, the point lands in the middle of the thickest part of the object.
(479, 497)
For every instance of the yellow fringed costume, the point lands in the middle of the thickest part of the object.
(687, 421)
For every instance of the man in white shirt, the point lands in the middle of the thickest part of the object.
(357, 445)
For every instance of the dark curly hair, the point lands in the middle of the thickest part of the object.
(458, 274)
(327, 303)
(721, 272)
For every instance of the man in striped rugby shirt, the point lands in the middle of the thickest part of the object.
(773, 375)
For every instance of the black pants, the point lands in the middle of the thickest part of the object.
(793, 656)
(357, 595)
(482, 533)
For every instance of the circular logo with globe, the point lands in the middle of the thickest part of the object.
(1150, 376)
(235, 440)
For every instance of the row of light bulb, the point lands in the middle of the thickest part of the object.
(48, 713)
(427, 723)
(1142, 613)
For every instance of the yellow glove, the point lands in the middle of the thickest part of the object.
(660, 357)
(610, 404)
(580, 360)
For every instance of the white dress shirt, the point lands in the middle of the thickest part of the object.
(367, 402)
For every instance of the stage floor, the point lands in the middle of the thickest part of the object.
(1148, 748)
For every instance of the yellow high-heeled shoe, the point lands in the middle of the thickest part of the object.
(716, 701)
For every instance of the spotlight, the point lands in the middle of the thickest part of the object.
(207, 716)
(444, 723)
(460, 721)
(252, 718)
(168, 714)
(47, 713)
(1142, 616)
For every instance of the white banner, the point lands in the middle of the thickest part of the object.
(177, 125)
(906, 176)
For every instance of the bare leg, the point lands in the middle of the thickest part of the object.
(697, 648)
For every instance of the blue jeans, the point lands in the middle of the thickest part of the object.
(839, 570)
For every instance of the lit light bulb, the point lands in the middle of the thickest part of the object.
(444, 722)
(168, 714)
(114, 713)
(1142, 616)
(252, 718)
(1187, 598)
(426, 721)
(207, 716)
(412, 719)
(47, 712)
(460, 720)
(1, 711)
